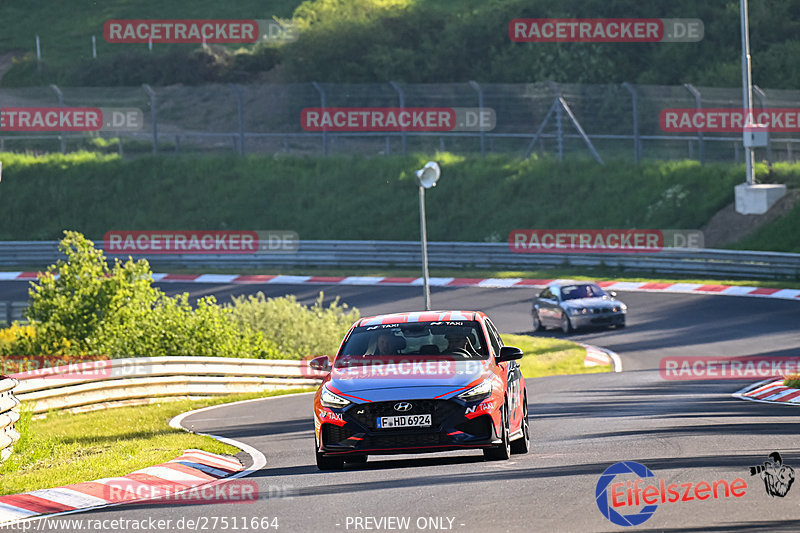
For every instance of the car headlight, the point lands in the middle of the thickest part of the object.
(478, 392)
(578, 311)
(329, 399)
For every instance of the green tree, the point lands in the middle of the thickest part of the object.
(82, 305)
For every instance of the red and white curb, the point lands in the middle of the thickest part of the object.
(524, 283)
(770, 391)
(192, 469)
(85, 496)
(596, 356)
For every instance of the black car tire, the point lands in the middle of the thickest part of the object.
(537, 323)
(566, 326)
(502, 451)
(356, 459)
(523, 444)
(328, 463)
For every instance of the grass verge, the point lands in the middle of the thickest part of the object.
(551, 357)
(792, 381)
(65, 448)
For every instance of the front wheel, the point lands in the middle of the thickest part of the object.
(537, 323)
(503, 450)
(566, 327)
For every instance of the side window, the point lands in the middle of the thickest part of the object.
(546, 294)
(494, 337)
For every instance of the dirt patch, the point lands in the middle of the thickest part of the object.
(728, 226)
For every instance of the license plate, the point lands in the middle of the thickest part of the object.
(404, 421)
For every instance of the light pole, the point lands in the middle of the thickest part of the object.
(747, 87)
(427, 177)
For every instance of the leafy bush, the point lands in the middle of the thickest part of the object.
(792, 381)
(203, 65)
(83, 306)
(17, 339)
(297, 331)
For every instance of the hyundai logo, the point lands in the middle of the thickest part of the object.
(402, 406)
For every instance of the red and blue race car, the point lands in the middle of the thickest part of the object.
(420, 382)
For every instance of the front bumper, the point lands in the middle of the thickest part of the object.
(593, 320)
(450, 430)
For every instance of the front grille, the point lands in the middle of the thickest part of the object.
(403, 441)
(332, 435)
(366, 414)
(601, 311)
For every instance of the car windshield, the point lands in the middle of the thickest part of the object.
(588, 290)
(460, 338)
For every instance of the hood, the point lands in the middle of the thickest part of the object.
(406, 377)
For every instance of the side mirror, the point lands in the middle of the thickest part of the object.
(612, 294)
(320, 363)
(509, 353)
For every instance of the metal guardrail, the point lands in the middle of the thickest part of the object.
(389, 254)
(11, 312)
(120, 381)
(8, 416)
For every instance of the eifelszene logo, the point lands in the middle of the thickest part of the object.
(630, 494)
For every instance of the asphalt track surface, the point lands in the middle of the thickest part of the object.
(683, 431)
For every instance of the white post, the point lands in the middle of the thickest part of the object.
(94, 47)
(425, 288)
(38, 54)
(747, 87)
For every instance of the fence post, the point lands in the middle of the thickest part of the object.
(559, 118)
(38, 55)
(637, 142)
(322, 106)
(153, 114)
(478, 90)
(762, 98)
(699, 103)
(401, 98)
(60, 96)
(240, 114)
